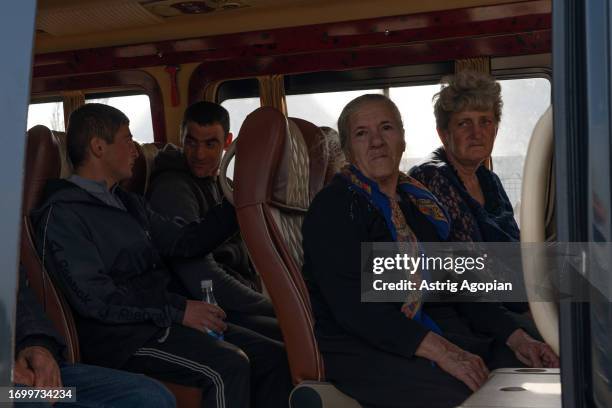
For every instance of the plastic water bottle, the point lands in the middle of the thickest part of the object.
(209, 297)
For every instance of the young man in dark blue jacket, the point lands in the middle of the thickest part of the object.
(108, 251)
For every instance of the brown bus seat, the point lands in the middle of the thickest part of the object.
(272, 191)
(42, 163)
(138, 182)
(318, 155)
(66, 169)
(337, 159)
(143, 166)
(46, 158)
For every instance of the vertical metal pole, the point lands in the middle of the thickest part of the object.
(16, 35)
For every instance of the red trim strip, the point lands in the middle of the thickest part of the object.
(416, 53)
(467, 23)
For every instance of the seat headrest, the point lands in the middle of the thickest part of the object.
(318, 154)
(138, 182)
(258, 175)
(149, 152)
(291, 187)
(337, 159)
(42, 163)
(290, 163)
(67, 168)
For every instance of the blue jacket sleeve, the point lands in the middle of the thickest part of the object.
(76, 265)
(176, 238)
(32, 327)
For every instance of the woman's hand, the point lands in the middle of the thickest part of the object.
(531, 352)
(464, 366)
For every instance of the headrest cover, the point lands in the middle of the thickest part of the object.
(42, 163)
(291, 187)
(67, 168)
(318, 154)
(337, 159)
(138, 182)
(259, 148)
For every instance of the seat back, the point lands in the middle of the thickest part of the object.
(272, 190)
(143, 166)
(138, 182)
(43, 162)
(337, 159)
(67, 168)
(318, 155)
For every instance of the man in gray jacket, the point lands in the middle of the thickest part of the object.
(108, 250)
(184, 183)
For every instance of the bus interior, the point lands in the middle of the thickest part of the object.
(306, 60)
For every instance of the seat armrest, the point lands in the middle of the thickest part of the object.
(314, 394)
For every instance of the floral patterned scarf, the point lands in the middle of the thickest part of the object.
(424, 202)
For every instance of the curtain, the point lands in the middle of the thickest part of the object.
(272, 92)
(72, 101)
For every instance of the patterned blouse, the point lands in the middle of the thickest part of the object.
(470, 221)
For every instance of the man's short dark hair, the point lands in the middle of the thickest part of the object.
(205, 114)
(89, 121)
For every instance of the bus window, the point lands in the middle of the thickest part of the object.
(49, 114)
(525, 100)
(414, 103)
(322, 109)
(238, 110)
(240, 97)
(138, 110)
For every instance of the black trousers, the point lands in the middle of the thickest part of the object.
(384, 380)
(381, 379)
(246, 369)
(266, 325)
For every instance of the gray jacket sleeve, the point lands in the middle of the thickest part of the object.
(229, 292)
(173, 197)
(75, 262)
(32, 327)
(174, 238)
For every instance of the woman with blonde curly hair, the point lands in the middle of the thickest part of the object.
(468, 111)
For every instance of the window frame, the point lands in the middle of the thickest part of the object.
(523, 67)
(224, 91)
(118, 83)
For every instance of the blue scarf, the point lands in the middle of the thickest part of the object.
(423, 200)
